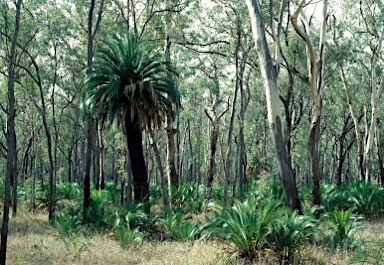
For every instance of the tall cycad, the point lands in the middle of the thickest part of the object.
(128, 83)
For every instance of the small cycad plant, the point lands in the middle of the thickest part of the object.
(291, 230)
(245, 225)
(68, 221)
(130, 224)
(366, 197)
(175, 228)
(343, 227)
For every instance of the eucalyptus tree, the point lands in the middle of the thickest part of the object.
(92, 28)
(315, 82)
(269, 68)
(126, 83)
(11, 135)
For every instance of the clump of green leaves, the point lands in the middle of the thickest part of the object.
(176, 228)
(245, 225)
(131, 224)
(343, 227)
(289, 231)
(366, 197)
(68, 221)
(68, 190)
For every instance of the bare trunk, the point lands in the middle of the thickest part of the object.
(11, 139)
(160, 168)
(173, 176)
(87, 175)
(212, 158)
(314, 158)
(356, 123)
(375, 95)
(379, 159)
(101, 179)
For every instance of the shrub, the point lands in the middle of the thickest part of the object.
(126, 235)
(128, 224)
(335, 197)
(343, 227)
(290, 230)
(365, 196)
(68, 190)
(99, 209)
(245, 224)
(68, 221)
(174, 227)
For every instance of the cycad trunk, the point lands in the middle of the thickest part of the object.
(139, 169)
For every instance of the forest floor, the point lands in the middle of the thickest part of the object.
(32, 240)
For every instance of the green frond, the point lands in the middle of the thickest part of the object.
(127, 74)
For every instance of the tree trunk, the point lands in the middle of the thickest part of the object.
(11, 138)
(87, 175)
(315, 84)
(360, 158)
(212, 159)
(96, 163)
(166, 201)
(136, 154)
(173, 176)
(101, 179)
(379, 159)
(314, 158)
(91, 32)
(269, 73)
(375, 95)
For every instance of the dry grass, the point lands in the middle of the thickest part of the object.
(33, 241)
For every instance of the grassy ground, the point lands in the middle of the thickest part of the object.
(33, 241)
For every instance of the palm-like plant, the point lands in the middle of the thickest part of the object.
(127, 82)
(245, 224)
(291, 230)
(343, 227)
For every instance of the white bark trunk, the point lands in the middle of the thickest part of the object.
(376, 89)
(269, 72)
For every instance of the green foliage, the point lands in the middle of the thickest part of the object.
(290, 230)
(132, 224)
(245, 224)
(128, 75)
(126, 236)
(68, 190)
(367, 197)
(217, 192)
(335, 197)
(99, 209)
(129, 224)
(68, 221)
(187, 197)
(342, 228)
(42, 194)
(175, 228)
